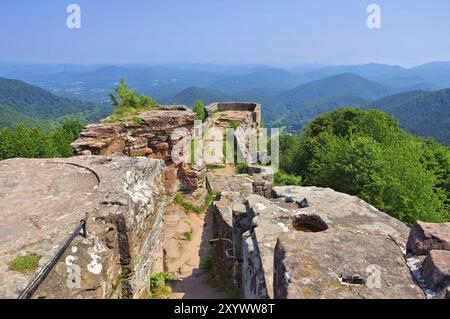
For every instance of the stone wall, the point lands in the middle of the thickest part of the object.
(124, 198)
(253, 108)
(221, 116)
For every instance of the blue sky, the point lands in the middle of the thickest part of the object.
(225, 31)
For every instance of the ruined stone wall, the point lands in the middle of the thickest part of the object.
(254, 108)
(124, 198)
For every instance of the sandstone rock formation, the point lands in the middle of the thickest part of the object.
(436, 269)
(427, 236)
(349, 250)
(163, 133)
(310, 242)
(433, 241)
(42, 201)
(267, 242)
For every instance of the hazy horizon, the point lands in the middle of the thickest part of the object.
(187, 63)
(232, 32)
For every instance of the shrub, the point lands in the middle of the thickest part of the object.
(217, 195)
(242, 168)
(199, 110)
(159, 287)
(34, 142)
(127, 103)
(281, 178)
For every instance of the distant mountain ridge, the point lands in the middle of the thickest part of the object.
(93, 82)
(424, 113)
(335, 85)
(419, 112)
(190, 95)
(291, 96)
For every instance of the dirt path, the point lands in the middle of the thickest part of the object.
(186, 240)
(227, 170)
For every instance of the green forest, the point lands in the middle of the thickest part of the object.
(35, 142)
(22, 103)
(367, 154)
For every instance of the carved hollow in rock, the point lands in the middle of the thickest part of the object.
(310, 222)
(355, 279)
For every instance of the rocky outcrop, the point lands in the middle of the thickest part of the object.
(42, 201)
(342, 247)
(310, 242)
(425, 237)
(436, 269)
(433, 271)
(163, 133)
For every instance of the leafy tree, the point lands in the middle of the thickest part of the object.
(281, 178)
(64, 135)
(34, 142)
(199, 110)
(127, 98)
(365, 153)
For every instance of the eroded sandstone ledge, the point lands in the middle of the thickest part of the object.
(162, 133)
(310, 242)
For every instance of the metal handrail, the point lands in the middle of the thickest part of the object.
(39, 278)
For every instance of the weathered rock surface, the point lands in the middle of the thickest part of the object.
(269, 220)
(43, 200)
(358, 255)
(425, 237)
(436, 269)
(235, 187)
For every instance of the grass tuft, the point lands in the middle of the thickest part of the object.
(159, 285)
(27, 263)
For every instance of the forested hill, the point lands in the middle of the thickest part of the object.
(419, 112)
(336, 85)
(24, 103)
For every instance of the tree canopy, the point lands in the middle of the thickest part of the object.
(365, 153)
(127, 98)
(34, 142)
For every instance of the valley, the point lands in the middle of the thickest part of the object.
(292, 96)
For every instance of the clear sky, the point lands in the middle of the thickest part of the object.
(225, 31)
